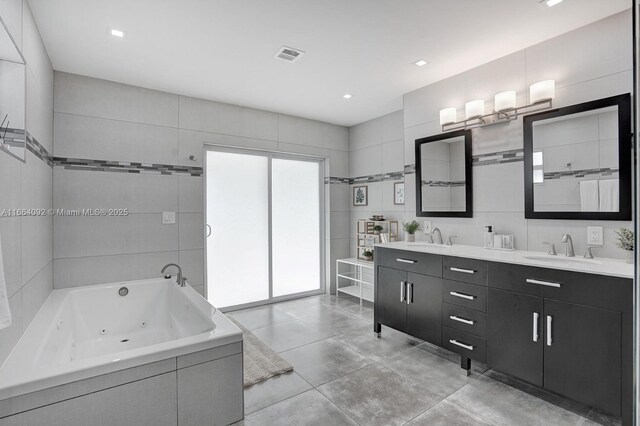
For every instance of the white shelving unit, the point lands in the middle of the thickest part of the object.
(357, 285)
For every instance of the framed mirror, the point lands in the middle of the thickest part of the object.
(443, 175)
(577, 161)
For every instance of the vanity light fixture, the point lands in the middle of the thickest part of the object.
(448, 116)
(117, 33)
(505, 109)
(420, 63)
(347, 96)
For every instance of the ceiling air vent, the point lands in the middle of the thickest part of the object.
(288, 54)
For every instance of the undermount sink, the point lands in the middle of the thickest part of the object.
(563, 259)
(426, 244)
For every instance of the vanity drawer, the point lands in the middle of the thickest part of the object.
(466, 270)
(410, 261)
(465, 344)
(464, 319)
(465, 295)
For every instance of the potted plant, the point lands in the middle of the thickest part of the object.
(625, 242)
(410, 228)
(377, 229)
(367, 255)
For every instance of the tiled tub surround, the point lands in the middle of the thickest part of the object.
(588, 63)
(169, 356)
(27, 242)
(152, 135)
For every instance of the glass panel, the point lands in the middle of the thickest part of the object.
(295, 226)
(237, 211)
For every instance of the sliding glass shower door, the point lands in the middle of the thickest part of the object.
(265, 215)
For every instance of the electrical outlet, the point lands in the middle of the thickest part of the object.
(168, 218)
(595, 236)
(427, 226)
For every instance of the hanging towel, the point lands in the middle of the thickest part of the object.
(610, 195)
(589, 196)
(5, 313)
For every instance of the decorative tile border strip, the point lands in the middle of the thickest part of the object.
(38, 150)
(442, 184)
(605, 171)
(502, 157)
(125, 166)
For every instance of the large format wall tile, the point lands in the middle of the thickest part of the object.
(215, 117)
(79, 271)
(77, 136)
(35, 292)
(365, 134)
(75, 94)
(191, 228)
(192, 263)
(37, 246)
(301, 131)
(11, 239)
(78, 236)
(9, 336)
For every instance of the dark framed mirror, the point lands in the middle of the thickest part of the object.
(444, 182)
(577, 161)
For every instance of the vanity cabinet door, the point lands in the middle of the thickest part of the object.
(391, 305)
(582, 354)
(513, 346)
(424, 308)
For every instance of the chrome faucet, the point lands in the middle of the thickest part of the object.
(450, 240)
(437, 236)
(566, 238)
(181, 281)
(589, 253)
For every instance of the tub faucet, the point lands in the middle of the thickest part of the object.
(182, 281)
(437, 236)
(566, 238)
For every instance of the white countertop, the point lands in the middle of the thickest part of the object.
(599, 266)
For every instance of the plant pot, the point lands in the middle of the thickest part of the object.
(368, 258)
(376, 232)
(629, 256)
(410, 238)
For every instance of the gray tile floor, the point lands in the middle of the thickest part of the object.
(344, 375)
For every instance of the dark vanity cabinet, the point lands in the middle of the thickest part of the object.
(567, 332)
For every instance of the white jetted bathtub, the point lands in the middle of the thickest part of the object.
(80, 333)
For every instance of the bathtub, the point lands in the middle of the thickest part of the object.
(81, 333)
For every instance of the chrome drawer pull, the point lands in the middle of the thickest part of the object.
(402, 293)
(405, 260)
(463, 320)
(409, 293)
(545, 283)
(462, 295)
(464, 271)
(535, 327)
(462, 345)
(549, 338)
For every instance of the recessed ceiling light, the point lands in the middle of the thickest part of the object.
(420, 63)
(346, 96)
(552, 2)
(117, 33)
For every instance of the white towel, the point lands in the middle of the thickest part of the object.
(610, 195)
(5, 313)
(589, 196)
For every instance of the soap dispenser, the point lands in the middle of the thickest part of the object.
(488, 237)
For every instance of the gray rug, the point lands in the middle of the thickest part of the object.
(260, 362)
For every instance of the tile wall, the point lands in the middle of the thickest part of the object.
(588, 63)
(120, 146)
(27, 242)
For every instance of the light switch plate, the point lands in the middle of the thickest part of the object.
(168, 218)
(427, 226)
(595, 236)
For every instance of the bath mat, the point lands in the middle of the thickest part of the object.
(260, 362)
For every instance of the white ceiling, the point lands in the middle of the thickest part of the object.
(223, 49)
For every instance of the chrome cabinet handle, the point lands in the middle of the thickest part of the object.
(462, 295)
(549, 324)
(463, 320)
(535, 326)
(405, 260)
(409, 293)
(464, 271)
(402, 292)
(544, 283)
(208, 234)
(462, 345)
